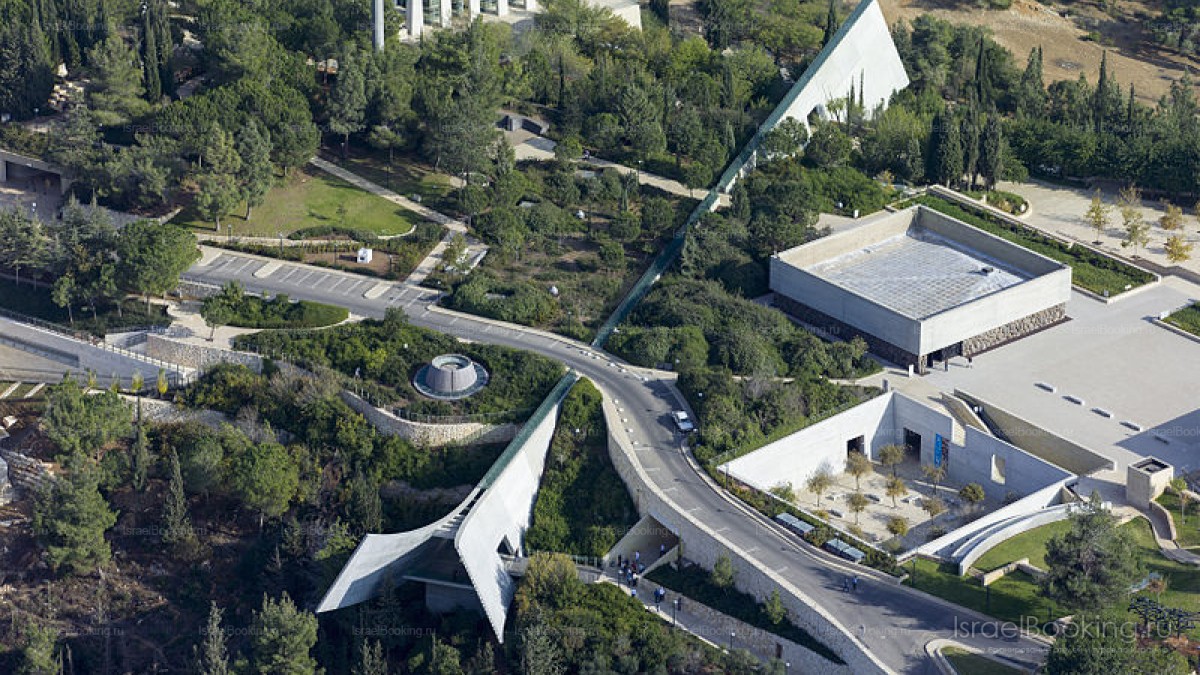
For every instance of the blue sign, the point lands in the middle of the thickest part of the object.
(937, 449)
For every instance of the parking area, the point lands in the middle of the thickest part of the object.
(1109, 379)
(331, 286)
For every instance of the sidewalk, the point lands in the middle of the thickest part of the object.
(712, 626)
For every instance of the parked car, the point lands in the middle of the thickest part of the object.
(682, 421)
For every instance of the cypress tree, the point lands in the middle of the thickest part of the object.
(150, 58)
(213, 657)
(831, 24)
(971, 139)
(1103, 93)
(991, 156)
(177, 527)
(950, 154)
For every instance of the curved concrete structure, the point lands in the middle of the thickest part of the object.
(450, 377)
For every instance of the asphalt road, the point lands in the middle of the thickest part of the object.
(894, 621)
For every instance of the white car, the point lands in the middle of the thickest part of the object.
(682, 421)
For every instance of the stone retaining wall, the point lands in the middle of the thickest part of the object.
(703, 547)
(1014, 330)
(430, 435)
(197, 356)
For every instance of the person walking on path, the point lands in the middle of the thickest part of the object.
(855, 584)
(846, 585)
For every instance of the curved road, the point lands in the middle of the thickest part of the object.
(894, 621)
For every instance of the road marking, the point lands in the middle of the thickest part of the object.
(752, 549)
(334, 287)
(244, 266)
(291, 272)
(302, 279)
(351, 288)
(781, 570)
(673, 488)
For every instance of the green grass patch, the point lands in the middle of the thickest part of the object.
(696, 584)
(34, 301)
(1183, 581)
(1187, 318)
(1187, 524)
(310, 198)
(969, 663)
(407, 176)
(1090, 270)
(1031, 544)
(247, 311)
(1009, 202)
(583, 507)
(1014, 598)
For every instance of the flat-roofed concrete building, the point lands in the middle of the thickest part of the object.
(921, 287)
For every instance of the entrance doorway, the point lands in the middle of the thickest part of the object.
(912, 444)
(856, 445)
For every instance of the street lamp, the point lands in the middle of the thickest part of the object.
(732, 635)
(787, 666)
(675, 613)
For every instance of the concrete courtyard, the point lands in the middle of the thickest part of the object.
(874, 519)
(1112, 357)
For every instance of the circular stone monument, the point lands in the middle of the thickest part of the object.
(450, 377)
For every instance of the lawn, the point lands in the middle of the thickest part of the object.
(969, 663)
(1187, 530)
(1031, 544)
(278, 312)
(1187, 318)
(34, 301)
(1014, 598)
(1017, 594)
(1090, 270)
(310, 198)
(407, 176)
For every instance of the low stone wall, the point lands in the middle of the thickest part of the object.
(995, 575)
(430, 435)
(1014, 330)
(703, 547)
(197, 356)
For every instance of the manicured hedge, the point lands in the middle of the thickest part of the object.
(1091, 270)
(279, 312)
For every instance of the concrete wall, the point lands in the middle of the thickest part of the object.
(1037, 441)
(197, 356)
(703, 546)
(844, 306)
(929, 422)
(794, 458)
(430, 435)
(379, 557)
(1004, 253)
(502, 514)
(942, 547)
(1023, 473)
(997, 309)
(861, 51)
(870, 230)
(1009, 529)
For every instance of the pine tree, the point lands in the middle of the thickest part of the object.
(71, 517)
(213, 657)
(257, 173)
(150, 68)
(283, 637)
(372, 660)
(139, 459)
(177, 526)
(1032, 100)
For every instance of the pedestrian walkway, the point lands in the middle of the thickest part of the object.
(378, 190)
(718, 629)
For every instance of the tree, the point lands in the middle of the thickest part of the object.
(283, 637)
(992, 151)
(371, 660)
(1172, 218)
(218, 194)
(944, 161)
(1178, 250)
(1093, 564)
(81, 423)
(38, 653)
(139, 459)
(935, 474)
(972, 493)
(540, 654)
(819, 483)
(153, 255)
(933, 506)
(858, 503)
(785, 140)
(1097, 643)
(892, 456)
(23, 241)
(116, 91)
(1137, 230)
(257, 173)
(896, 488)
(1097, 215)
(162, 384)
(70, 518)
(774, 610)
(898, 525)
(63, 294)
(266, 479)
(177, 526)
(212, 658)
(1179, 488)
(722, 572)
(829, 145)
(857, 465)
(453, 256)
(831, 23)
(348, 101)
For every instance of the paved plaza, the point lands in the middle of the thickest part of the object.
(1112, 358)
